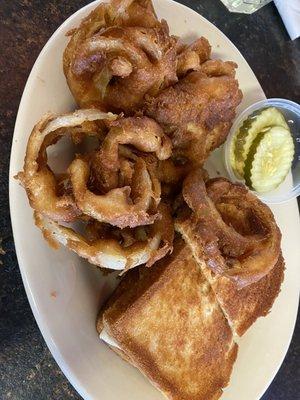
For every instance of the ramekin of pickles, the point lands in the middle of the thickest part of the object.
(263, 150)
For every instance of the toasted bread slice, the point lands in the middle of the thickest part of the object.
(168, 324)
(241, 307)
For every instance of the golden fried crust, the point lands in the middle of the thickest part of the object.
(106, 250)
(219, 68)
(169, 325)
(135, 13)
(197, 98)
(119, 53)
(236, 232)
(198, 111)
(191, 57)
(241, 307)
(39, 181)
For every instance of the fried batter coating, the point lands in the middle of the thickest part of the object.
(191, 57)
(143, 133)
(197, 112)
(111, 63)
(104, 249)
(127, 188)
(128, 147)
(233, 230)
(116, 207)
(39, 181)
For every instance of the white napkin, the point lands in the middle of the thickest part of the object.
(290, 14)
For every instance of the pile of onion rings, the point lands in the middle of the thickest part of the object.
(113, 186)
(121, 58)
(117, 201)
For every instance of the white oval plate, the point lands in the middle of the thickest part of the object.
(65, 293)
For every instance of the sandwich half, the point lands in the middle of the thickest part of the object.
(167, 322)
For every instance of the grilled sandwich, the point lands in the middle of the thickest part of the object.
(167, 322)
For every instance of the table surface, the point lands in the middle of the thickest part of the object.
(27, 369)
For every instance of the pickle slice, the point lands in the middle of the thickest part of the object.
(257, 122)
(269, 159)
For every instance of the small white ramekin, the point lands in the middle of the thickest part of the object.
(290, 187)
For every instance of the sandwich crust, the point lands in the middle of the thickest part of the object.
(169, 325)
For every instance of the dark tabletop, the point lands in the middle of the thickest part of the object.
(27, 369)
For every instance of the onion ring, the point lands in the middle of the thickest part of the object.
(142, 133)
(191, 57)
(235, 231)
(140, 58)
(109, 253)
(115, 207)
(37, 178)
